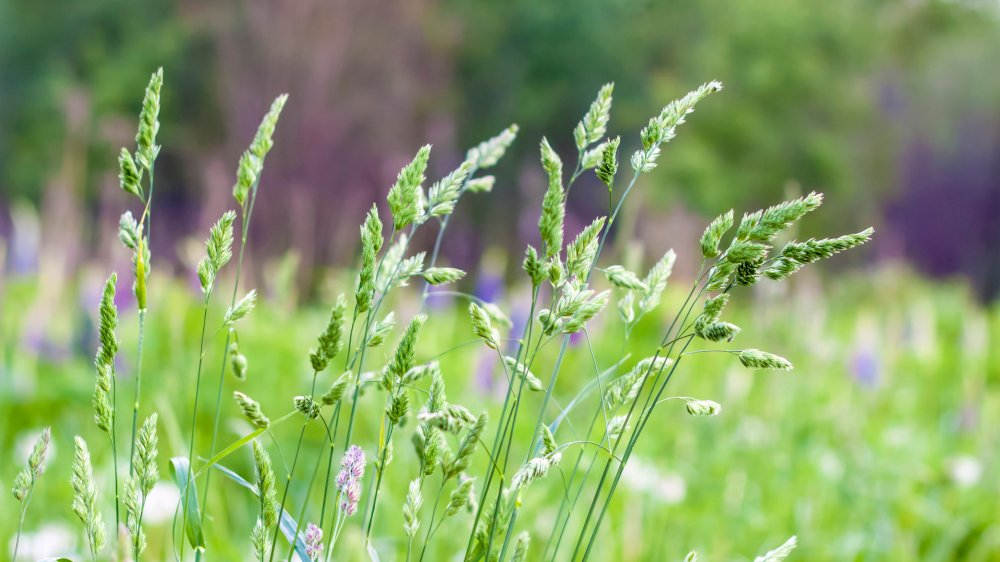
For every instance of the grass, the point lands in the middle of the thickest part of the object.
(859, 471)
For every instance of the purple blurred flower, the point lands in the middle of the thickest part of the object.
(442, 299)
(352, 470)
(489, 286)
(351, 497)
(314, 542)
(865, 367)
(485, 372)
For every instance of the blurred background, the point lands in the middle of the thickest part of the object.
(881, 446)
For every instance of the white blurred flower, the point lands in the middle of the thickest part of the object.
(668, 488)
(161, 503)
(755, 432)
(672, 488)
(831, 466)
(897, 436)
(738, 383)
(49, 541)
(975, 334)
(965, 471)
(923, 330)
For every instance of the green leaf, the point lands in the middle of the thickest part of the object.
(586, 390)
(181, 472)
(239, 443)
(287, 523)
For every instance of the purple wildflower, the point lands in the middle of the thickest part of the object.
(314, 542)
(865, 367)
(352, 470)
(351, 498)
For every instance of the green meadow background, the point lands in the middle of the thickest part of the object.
(882, 444)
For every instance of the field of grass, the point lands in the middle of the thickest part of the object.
(882, 444)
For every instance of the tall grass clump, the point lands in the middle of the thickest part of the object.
(482, 469)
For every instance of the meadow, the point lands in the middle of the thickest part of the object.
(877, 446)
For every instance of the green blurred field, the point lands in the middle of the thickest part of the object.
(881, 444)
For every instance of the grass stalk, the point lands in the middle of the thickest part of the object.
(686, 309)
(312, 480)
(145, 223)
(498, 440)
(194, 412)
(114, 445)
(564, 345)
(295, 460)
(363, 345)
(20, 520)
(247, 214)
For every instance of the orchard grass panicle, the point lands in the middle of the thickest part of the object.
(85, 499)
(24, 482)
(479, 476)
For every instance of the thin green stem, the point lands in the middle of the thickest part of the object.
(138, 389)
(295, 460)
(194, 413)
(337, 527)
(17, 539)
(685, 309)
(730, 351)
(441, 231)
(350, 340)
(147, 220)
(363, 345)
(142, 509)
(628, 453)
(288, 484)
(563, 524)
(334, 419)
(510, 442)
(247, 214)
(503, 422)
(20, 521)
(114, 455)
(378, 482)
(430, 524)
(562, 505)
(312, 480)
(565, 342)
(644, 418)
(576, 172)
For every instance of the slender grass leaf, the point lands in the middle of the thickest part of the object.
(181, 472)
(287, 523)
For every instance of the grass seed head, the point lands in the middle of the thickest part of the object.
(251, 409)
(265, 484)
(85, 498)
(757, 359)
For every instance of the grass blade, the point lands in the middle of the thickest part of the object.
(181, 472)
(287, 523)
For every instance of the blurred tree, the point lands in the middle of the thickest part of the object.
(815, 92)
(363, 78)
(837, 96)
(102, 49)
(799, 101)
(945, 211)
